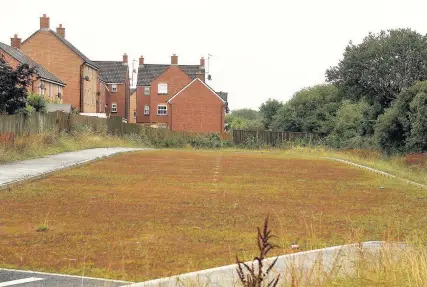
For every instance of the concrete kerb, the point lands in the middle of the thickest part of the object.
(24, 180)
(376, 171)
(298, 264)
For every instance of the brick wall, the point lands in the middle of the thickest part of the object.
(132, 107)
(176, 80)
(197, 109)
(118, 98)
(51, 90)
(142, 100)
(47, 50)
(89, 89)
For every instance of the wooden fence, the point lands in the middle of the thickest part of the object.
(265, 137)
(20, 124)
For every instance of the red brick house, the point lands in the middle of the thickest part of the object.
(177, 96)
(114, 88)
(45, 83)
(51, 49)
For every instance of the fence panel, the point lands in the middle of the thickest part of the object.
(271, 138)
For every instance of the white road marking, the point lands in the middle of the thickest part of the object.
(20, 281)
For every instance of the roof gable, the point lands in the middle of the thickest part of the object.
(112, 71)
(191, 83)
(67, 44)
(24, 59)
(147, 73)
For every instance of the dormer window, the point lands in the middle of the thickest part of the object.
(162, 89)
(114, 88)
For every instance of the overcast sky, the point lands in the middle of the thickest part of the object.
(260, 49)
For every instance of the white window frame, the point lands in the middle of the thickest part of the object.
(147, 90)
(162, 89)
(114, 88)
(166, 110)
(146, 110)
(114, 107)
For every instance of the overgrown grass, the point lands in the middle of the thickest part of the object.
(157, 213)
(39, 145)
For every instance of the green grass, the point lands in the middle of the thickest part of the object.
(39, 145)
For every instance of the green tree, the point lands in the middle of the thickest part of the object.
(13, 86)
(348, 131)
(310, 110)
(403, 126)
(381, 66)
(244, 119)
(268, 110)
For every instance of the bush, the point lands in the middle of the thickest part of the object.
(37, 102)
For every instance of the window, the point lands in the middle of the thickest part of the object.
(42, 88)
(114, 107)
(146, 110)
(162, 89)
(114, 88)
(134, 114)
(162, 110)
(147, 91)
(59, 95)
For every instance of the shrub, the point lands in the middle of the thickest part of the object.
(42, 228)
(37, 102)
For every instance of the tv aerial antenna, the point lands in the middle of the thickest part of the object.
(133, 70)
(209, 75)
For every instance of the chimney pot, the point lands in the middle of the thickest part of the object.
(61, 31)
(15, 42)
(44, 22)
(141, 61)
(202, 63)
(125, 58)
(174, 59)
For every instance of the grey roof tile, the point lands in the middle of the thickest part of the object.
(112, 71)
(24, 59)
(149, 72)
(223, 95)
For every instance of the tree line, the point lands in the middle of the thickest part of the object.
(375, 97)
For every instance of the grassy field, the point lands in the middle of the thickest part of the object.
(152, 214)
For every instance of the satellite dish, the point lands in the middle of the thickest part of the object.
(209, 77)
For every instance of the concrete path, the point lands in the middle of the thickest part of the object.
(15, 173)
(10, 277)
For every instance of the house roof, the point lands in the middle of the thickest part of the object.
(69, 45)
(112, 71)
(24, 59)
(193, 81)
(149, 72)
(223, 95)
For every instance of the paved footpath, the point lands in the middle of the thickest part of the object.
(18, 278)
(15, 173)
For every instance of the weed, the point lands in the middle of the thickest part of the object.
(42, 228)
(255, 276)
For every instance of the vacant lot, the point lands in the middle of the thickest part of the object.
(151, 214)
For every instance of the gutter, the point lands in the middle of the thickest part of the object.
(81, 86)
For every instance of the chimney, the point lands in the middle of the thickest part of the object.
(174, 59)
(202, 63)
(15, 42)
(201, 75)
(141, 61)
(61, 31)
(44, 22)
(125, 59)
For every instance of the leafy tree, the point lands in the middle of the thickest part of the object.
(403, 126)
(348, 129)
(13, 86)
(382, 66)
(268, 110)
(244, 119)
(310, 110)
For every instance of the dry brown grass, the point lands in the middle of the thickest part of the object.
(152, 214)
